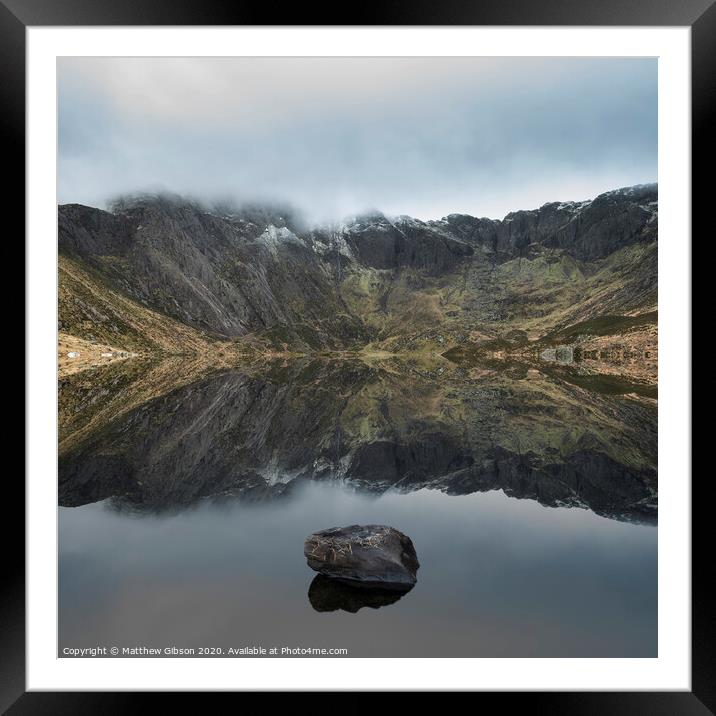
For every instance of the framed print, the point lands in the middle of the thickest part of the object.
(345, 353)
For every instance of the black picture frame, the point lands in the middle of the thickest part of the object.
(699, 15)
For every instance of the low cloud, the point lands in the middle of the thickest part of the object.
(333, 136)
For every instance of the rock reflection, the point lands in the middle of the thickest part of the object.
(329, 595)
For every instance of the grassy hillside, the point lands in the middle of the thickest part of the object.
(535, 296)
(94, 312)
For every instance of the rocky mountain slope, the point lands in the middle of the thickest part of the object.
(258, 276)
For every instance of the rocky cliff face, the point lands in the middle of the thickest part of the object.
(226, 275)
(585, 230)
(257, 270)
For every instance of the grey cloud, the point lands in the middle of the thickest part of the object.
(420, 136)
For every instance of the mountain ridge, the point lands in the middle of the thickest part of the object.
(260, 272)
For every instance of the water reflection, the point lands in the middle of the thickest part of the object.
(498, 577)
(328, 595)
(186, 494)
(258, 434)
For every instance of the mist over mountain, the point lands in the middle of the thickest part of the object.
(424, 136)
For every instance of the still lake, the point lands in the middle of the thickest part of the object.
(530, 502)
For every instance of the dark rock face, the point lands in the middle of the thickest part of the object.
(224, 275)
(329, 595)
(585, 230)
(380, 243)
(84, 230)
(373, 555)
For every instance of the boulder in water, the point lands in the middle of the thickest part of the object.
(375, 556)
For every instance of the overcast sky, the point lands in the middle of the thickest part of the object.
(335, 136)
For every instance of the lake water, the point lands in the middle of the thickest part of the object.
(531, 504)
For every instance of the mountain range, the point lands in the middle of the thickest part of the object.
(162, 274)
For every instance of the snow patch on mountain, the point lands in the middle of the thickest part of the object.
(274, 236)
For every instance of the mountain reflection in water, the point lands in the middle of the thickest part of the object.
(376, 426)
(186, 495)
